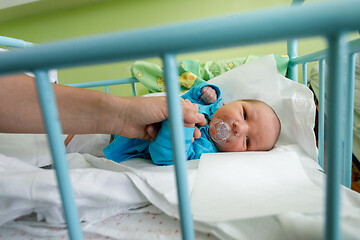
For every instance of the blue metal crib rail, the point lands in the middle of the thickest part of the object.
(320, 56)
(331, 20)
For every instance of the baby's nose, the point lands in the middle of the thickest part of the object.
(240, 128)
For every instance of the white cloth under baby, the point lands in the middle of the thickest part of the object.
(252, 184)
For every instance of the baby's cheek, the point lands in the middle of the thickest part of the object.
(231, 146)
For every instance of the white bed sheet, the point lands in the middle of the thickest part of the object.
(152, 224)
(156, 185)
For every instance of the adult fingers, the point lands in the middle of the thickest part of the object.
(192, 115)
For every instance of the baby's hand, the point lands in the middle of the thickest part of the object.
(208, 95)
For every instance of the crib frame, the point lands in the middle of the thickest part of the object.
(167, 41)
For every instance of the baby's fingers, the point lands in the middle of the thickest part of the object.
(197, 133)
(208, 95)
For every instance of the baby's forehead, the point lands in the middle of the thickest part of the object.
(260, 106)
(255, 102)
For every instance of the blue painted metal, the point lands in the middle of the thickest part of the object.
(53, 128)
(106, 88)
(103, 83)
(12, 42)
(349, 120)
(261, 26)
(292, 49)
(353, 46)
(133, 89)
(304, 74)
(107, 83)
(178, 143)
(297, 2)
(311, 57)
(334, 96)
(321, 116)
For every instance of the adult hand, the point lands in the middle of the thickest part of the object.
(139, 117)
(189, 105)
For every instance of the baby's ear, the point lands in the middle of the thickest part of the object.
(224, 103)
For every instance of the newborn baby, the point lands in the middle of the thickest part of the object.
(241, 125)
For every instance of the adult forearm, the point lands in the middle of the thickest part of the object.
(79, 109)
(85, 111)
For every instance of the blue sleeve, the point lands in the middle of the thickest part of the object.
(160, 149)
(195, 92)
(123, 148)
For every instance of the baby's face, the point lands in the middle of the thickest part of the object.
(254, 126)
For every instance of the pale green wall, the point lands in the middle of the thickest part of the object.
(109, 16)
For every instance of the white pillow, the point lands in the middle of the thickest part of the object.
(293, 102)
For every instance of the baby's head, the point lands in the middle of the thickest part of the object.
(245, 125)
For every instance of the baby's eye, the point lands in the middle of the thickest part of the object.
(247, 141)
(244, 114)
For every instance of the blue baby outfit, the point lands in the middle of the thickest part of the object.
(159, 151)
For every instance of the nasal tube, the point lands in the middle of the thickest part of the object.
(220, 131)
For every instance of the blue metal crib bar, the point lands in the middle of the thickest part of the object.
(333, 132)
(292, 49)
(321, 112)
(349, 113)
(178, 143)
(107, 83)
(53, 128)
(16, 43)
(249, 28)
